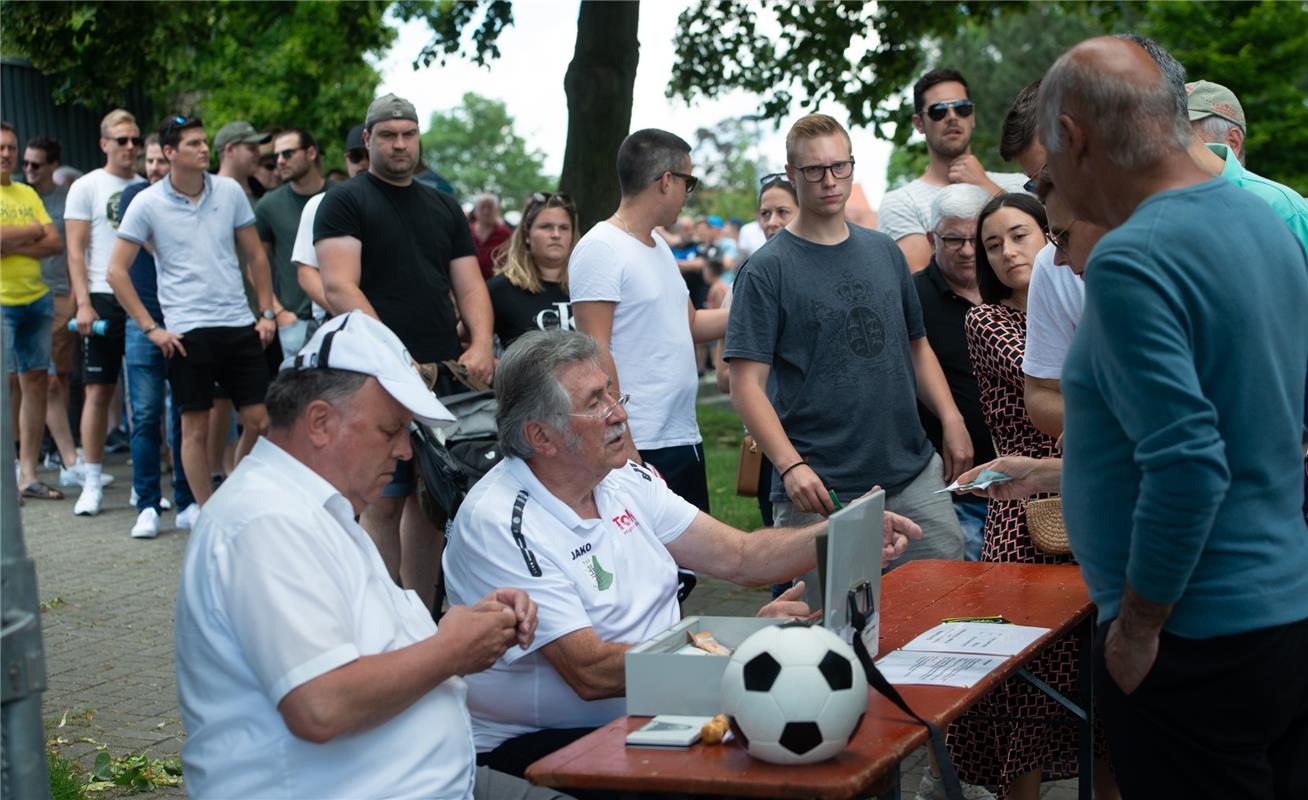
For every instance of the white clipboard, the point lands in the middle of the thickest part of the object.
(854, 542)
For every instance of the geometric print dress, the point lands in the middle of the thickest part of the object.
(999, 739)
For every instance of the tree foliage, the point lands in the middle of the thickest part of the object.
(729, 165)
(477, 150)
(276, 64)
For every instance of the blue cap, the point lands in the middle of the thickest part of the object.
(715, 221)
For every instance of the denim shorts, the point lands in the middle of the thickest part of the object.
(27, 334)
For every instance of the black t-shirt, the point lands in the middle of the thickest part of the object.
(410, 234)
(518, 311)
(942, 314)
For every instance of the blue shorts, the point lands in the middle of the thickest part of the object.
(27, 334)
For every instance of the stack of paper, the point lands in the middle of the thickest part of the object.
(957, 653)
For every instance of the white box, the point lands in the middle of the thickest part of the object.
(662, 681)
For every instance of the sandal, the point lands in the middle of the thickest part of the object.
(40, 491)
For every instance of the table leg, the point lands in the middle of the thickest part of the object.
(1085, 724)
(891, 791)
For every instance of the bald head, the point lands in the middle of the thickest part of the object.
(1115, 93)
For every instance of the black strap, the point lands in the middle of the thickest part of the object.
(515, 527)
(953, 790)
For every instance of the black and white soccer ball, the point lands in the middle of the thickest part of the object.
(794, 694)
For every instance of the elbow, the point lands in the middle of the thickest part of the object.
(310, 723)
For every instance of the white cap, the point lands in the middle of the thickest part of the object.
(358, 343)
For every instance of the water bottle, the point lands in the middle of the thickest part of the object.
(98, 328)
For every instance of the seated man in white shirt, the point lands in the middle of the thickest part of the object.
(596, 540)
(302, 669)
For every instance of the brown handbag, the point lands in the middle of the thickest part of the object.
(1044, 523)
(751, 463)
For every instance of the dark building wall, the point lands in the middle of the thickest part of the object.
(25, 103)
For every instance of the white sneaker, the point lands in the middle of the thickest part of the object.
(76, 476)
(164, 502)
(147, 525)
(187, 516)
(933, 788)
(88, 504)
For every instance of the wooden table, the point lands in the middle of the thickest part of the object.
(914, 598)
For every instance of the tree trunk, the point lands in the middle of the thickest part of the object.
(599, 85)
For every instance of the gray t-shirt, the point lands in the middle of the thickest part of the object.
(54, 269)
(277, 216)
(834, 322)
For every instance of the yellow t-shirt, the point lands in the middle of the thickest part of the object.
(20, 276)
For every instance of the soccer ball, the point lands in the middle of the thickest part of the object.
(794, 694)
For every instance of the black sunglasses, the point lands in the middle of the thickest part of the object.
(963, 108)
(773, 178)
(287, 153)
(123, 140)
(356, 155)
(691, 180)
(542, 198)
(33, 164)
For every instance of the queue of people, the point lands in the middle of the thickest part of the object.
(1075, 326)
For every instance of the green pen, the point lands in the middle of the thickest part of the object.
(835, 501)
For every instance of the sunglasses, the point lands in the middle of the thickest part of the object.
(122, 141)
(543, 198)
(691, 180)
(938, 111)
(33, 164)
(356, 155)
(288, 152)
(771, 178)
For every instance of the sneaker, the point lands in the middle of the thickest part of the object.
(147, 525)
(88, 504)
(164, 503)
(76, 476)
(933, 788)
(118, 441)
(187, 516)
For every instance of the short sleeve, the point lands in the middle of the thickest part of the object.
(136, 223)
(898, 216)
(78, 204)
(242, 214)
(755, 319)
(263, 218)
(1051, 319)
(595, 273)
(461, 243)
(338, 215)
(283, 597)
(302, 252)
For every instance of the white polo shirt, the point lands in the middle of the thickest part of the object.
(613, 574)
(280, 586)
(1053, 310)
(651, 344)
(200, 280)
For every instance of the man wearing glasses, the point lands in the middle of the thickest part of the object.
(277, 216)
(829, 356)
(628, 294)
(943, 113)
(91, 221)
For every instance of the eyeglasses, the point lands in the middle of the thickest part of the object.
(122, 141)
(33, 164)
(288, 152)
(955, 242)
(691, 180)
(963, 108)
(1061, 240)
(356, 155)
(607, 411)
(839, 170)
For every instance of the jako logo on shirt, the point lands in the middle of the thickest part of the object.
(626, 521)
(581, 551)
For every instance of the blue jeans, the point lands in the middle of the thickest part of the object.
(146, 371)
(971, 518)
(27, 334)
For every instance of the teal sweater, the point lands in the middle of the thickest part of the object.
(1184, 391)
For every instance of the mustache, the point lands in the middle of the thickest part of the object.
(615, 432)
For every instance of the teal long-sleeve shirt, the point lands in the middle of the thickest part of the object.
(1184, 391)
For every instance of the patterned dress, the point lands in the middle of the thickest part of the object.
(986, 750)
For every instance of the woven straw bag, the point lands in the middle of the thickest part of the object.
(1044, 523)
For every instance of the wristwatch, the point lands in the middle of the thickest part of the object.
(268, 313)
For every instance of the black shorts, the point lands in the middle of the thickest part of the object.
(682, 468)
(231, 357)
(102, 355)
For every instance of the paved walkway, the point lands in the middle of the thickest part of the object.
(108, 628)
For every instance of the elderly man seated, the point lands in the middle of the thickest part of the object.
(596, 540)
(303, 670)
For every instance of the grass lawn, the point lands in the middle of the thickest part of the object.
(722, 432)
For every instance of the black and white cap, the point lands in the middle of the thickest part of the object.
(359, 343)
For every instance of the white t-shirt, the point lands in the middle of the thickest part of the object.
(751, 238)
(200, 280)
(651, 343)
(279, 586)
(302, 252)
(907, 210)
(613, 574)
(94, 198)
(1053, 309)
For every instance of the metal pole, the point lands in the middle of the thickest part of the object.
(23, 770)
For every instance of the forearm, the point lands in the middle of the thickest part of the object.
(932, 387)
(708, 325)
(76, 232)
(592, 668)
(18, 235)
(344, 297)
(477, 315)
(125, 293)
(1140, 617)
(1044, 404)
(761, 420)
(310, 281)
(261, 278)
(772, 555)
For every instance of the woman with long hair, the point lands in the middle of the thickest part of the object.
(529, 290)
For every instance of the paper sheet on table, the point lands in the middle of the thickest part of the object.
(937, 669)
(980, 638)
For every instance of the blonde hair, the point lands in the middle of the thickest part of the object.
(812, 126)
(116, 117)
(514, 259)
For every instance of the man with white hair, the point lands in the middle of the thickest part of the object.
(947, 290)
(1216, 115)
(1182, 476)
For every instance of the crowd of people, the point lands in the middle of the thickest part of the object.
(1121, 322)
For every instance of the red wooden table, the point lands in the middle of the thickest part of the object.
(914, 598)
